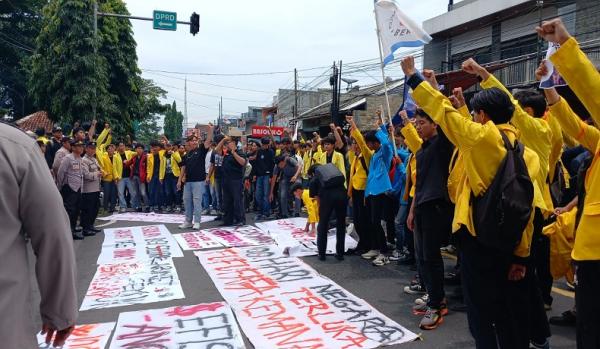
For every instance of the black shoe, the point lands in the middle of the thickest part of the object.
(78, 229)
(219, 218)
(239, 224)
(139, 209)
(147, 210)
(225, 224)
(339, 257)
(95, 230)
(77, 236)
(567, 318)
(88, 233)
(322, 257)
(406, 260)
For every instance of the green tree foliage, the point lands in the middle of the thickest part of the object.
(147, 129)
(19, 25)
(173, 125)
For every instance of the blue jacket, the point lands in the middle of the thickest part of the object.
(400, 176)
(378, 180)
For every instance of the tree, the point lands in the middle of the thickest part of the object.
(19, 25)
(66, 77)
(150, 106)
(173, 125)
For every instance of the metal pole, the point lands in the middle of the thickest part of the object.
(95, 43)
(339, 89)
(387, 100)
(540, 5)
(295, 94)
(185, 110)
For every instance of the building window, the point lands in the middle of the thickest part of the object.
(519, 47)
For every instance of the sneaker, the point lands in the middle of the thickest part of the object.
(547, 307)
(421, 309)
(370, 254)
(451, 278)
(139, 209)
(259, 217)
(381, 260)
(77, 235)
(570, 286)
(339, 257)
(545, 345)
(567, 318)
(431, 320)
(322, 257)
(147, 210)
(206, 212)
(395, 255)
(415, 289)
(122, 210)
(88, 232)
(186, 225)
(407, 259)
(196, 226)
(448, 249)
(422, 300)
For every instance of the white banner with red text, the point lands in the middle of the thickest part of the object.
(92, 336)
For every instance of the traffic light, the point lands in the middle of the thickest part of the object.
(194, 23)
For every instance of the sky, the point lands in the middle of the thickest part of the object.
(258, 36)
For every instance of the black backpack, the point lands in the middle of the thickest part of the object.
(558, 186)
(501, 214)
(329, 176)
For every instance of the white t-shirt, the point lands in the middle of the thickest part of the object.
(207, 161)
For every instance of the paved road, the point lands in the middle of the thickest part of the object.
(380, 286)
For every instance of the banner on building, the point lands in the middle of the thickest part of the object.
(552, 78)
(196, 240)
(246, 235)
(138, 282)
(209, 326)
(281, 302)
(292, 239)
(92, 336)
(138, 243)
(152, 217)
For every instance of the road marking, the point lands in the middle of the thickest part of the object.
(107, 224)
(557, 290)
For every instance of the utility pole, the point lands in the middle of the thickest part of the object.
(295, 95)
(337, 121)
(333, 82)
(185, 113)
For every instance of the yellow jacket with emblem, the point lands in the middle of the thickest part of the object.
(583, 78)
(358, 172)
(150, 166)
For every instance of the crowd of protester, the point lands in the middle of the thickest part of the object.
(413, 191)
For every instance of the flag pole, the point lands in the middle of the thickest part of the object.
(385, 89)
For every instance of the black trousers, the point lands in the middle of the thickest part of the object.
(360, 216)
(72, 203)
(497, 309)
(587, 304)
(332, 200)
(389, 216)
(433, 223)
(376, 206)
(90, 203)
(540, 288)
(233, 203)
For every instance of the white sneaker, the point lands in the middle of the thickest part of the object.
(370, 254)
(395, 255)
(196, 226)
(381, 260)
(422, 300)
(186, 225)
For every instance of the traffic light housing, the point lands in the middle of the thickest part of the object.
(194, 23)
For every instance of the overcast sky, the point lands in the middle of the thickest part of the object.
(242, 36)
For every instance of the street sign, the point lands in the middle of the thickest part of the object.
(164, 20)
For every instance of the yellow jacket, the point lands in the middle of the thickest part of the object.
(312, 207)
(583, 78)
(562, 236)
(413, 142)
(108, 166)
(482, 149)
(150, 166)
(175, 161)
(456, 169)
(308, 160)
(337, 159)
(118, 165)
(535, 134)
(358, 174)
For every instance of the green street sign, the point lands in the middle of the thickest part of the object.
(164, 20)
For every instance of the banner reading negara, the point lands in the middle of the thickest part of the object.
(206, 326)
(282, 303)
(138, 243)
(127, 283)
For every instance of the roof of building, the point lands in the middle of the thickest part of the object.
(353, 99)
(34, 121)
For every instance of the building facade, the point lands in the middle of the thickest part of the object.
(285, 101)
(503, 32)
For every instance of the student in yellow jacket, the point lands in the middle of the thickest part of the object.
(583, 78)
(105, 153)
(359, 171)
(331, 156)
(496, 293)
(155, 175)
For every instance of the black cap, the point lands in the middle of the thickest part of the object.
(76, 143)
(91, 145)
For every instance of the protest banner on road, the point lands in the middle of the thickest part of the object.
(137, 282)
(196, 240)
(246, 235)
(293, 240)
(207, 326)
(138, 243)
(281, 302)
(92, 336)
(152, 217)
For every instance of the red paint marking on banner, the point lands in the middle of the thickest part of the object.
(191, 310)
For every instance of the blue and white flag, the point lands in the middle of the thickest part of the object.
(396, 29)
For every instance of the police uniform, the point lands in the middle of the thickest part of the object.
(70, 181)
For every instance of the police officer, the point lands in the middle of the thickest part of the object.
(90, 197)
(70, 181)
